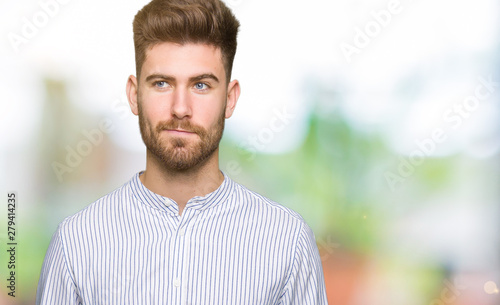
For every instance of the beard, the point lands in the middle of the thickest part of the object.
(179, 153)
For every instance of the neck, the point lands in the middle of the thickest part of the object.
(182, 185)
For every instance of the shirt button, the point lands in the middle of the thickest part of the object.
(182, 232)
(177, 282)
(167, 202)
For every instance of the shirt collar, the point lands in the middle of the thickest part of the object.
(156, 201)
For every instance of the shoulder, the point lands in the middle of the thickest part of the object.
(98, 211)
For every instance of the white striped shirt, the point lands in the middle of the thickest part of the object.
(232, 246)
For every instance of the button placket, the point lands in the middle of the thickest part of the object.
(181, 247)
(187, 224)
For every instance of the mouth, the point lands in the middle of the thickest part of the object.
(179, 131)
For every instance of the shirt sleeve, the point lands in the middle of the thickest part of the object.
(306, 283)
(56, 285)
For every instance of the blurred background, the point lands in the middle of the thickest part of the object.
(377, 121)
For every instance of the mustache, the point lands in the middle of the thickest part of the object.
(178, 124)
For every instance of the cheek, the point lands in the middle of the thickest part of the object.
(213, 108)
(209, 116)
(154, 109)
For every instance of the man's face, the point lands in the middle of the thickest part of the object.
(182, 103)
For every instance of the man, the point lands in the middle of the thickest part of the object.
(182, 232)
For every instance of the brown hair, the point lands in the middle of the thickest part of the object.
(186, 21)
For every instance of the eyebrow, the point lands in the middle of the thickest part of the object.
(159, 76)
(191, 79)
(204, 76)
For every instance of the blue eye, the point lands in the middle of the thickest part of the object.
(201, 86)
(161, 84)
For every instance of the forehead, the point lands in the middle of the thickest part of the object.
(183, 60)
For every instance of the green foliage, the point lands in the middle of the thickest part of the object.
(328, 180)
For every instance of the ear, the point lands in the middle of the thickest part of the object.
(233, 93)
(132, 90)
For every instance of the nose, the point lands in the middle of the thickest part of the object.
(181, 104)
